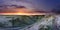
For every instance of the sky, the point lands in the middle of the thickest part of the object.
(32, 5)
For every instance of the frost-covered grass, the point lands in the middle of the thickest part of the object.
(18, 21)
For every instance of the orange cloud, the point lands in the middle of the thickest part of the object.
(17, 10)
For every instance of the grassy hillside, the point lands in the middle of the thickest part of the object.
(22, 20)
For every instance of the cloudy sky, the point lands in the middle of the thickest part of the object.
(28, 5)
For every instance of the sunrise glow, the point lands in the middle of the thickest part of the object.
(22, 13)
